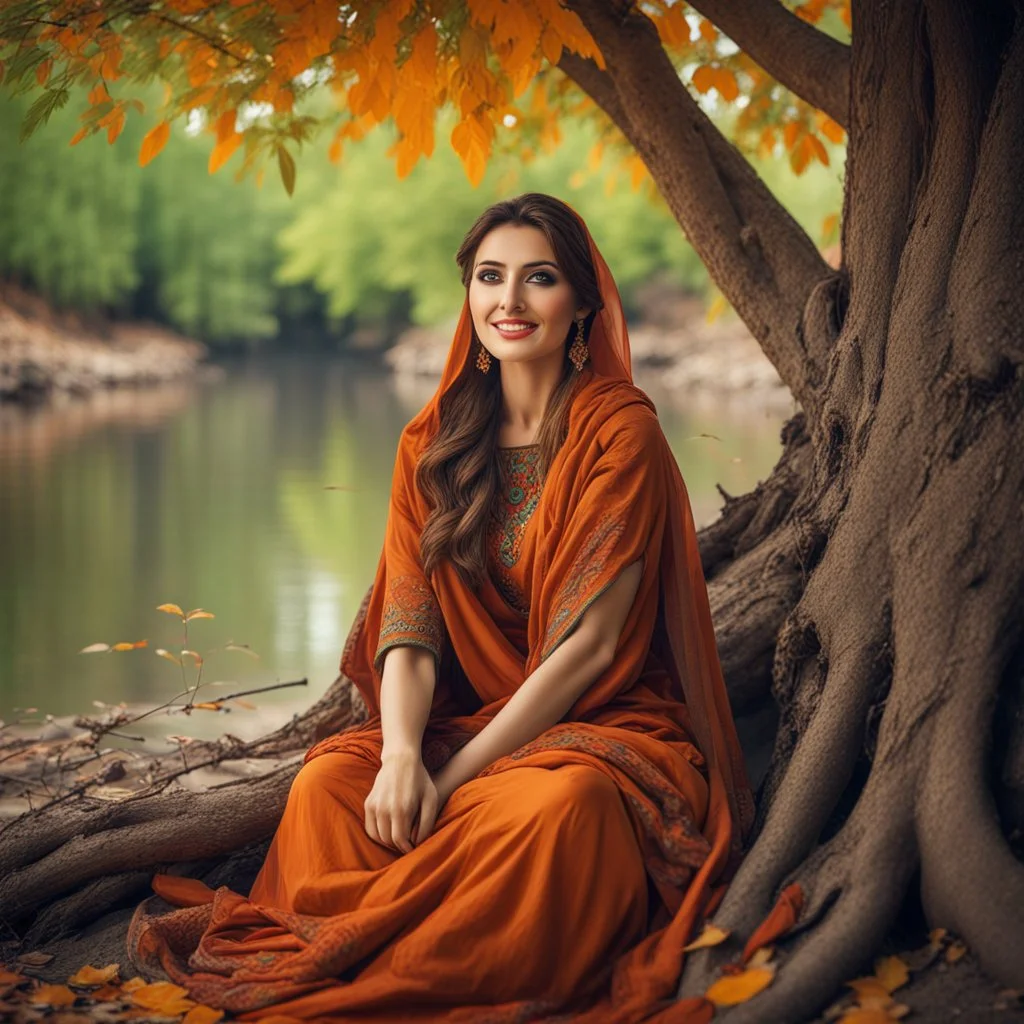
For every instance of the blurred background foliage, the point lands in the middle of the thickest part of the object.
(240, 266)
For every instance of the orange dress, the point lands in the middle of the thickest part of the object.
(565, 879)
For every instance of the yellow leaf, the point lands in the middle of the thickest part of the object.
(88, 975)
(199, 613)
(955, 951)
(161, 653)
(95, 649)
(719, 304)
(892, 972)
(157, 995)
(209, 706)
(155, 140)
(761, 956)
(53, 995)
(128, 646)
(869, 988)
(738, 988)
(859, 1015)
(202, 1015)
(134, 983)
(712, 935)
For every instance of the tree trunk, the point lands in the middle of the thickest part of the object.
(874, 583)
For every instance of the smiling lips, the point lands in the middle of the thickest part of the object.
(514, 328)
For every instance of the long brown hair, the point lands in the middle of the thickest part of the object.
(458, 471)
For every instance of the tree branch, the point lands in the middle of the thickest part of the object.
(764, 262)
(802, 58)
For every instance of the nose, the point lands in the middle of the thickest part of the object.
(512, 300)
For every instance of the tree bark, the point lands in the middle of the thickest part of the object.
(873, 583)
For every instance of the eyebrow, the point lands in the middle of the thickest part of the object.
(535, 263)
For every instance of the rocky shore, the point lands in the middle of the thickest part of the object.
(674, 349)
(45, 354)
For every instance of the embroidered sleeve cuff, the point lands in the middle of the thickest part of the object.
(412, 617)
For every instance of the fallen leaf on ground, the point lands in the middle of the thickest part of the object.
(870, 990)
(892, 972)
(936, 935)
(53, 995)
(11, 977)
(90, 975)
(711, 936)
(955, 951)
(738, 988)
(202, 1015)
(858, 1015)
(161, 996)
(762, 956)
(134, 983)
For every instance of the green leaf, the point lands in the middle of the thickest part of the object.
(40, 111)
(287, 164)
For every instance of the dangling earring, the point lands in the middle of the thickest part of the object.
(483, 360)
(578, 351)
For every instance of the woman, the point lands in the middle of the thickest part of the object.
(548, 793)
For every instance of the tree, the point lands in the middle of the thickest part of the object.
(874, 582)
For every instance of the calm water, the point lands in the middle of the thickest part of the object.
(261, 497)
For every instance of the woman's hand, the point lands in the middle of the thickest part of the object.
(403, 796)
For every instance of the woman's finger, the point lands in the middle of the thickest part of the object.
(384, 828)
(428, 815)
(401, 826)
(370, 821)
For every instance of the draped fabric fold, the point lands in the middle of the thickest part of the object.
(352, 931)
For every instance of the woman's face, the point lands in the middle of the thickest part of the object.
(521, 302)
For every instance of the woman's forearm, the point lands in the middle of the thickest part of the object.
(544, 697)
(406, 692)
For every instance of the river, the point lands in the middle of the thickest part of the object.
(261, 497)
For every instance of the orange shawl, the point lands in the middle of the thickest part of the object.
(614, 494)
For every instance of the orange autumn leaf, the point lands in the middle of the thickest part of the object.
(780, 920)
(127, 645)
(202, 1015)
(223, 151)
(43, 71)
(738, 988)
(89, 976)
(860, 1015)
(703, 78)
(892, 972)
(161, 996)
(955, 951)
(155, 140)
(870, 990)
(726, 84)
(209, 705)
(161, 653)
(712, 935)
(134, 983)
(194, 655)
(78, 136)
(53, 995)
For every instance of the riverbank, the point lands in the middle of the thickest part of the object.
(45, 354)
(675, 349)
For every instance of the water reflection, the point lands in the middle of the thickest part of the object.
(262, 498)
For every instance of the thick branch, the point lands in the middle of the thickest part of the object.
(763, 261)
(805, 60)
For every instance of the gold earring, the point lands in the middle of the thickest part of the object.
(578, 351)
(483, 360)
